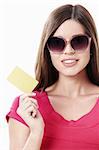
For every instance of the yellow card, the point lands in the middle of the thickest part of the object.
(22, 80)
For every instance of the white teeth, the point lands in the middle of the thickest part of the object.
(69, 61)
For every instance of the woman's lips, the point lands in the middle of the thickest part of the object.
(69, 62)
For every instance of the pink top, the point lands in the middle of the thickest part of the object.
(61, 134)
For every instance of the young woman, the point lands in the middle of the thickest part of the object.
(62, 113)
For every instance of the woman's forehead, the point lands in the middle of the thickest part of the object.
(69, 28)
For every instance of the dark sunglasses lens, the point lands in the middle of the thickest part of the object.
(79, 42)
(56, 44)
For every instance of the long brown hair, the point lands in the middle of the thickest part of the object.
(45, 72)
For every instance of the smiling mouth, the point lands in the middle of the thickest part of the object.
(70, 62)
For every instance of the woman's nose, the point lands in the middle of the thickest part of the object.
(68, 49)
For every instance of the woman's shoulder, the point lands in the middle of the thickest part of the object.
(15, 104)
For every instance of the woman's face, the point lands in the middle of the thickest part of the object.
(70, 62)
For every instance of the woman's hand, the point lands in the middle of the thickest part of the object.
(28, 110)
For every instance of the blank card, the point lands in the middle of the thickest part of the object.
(22, 80)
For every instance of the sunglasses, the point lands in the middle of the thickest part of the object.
(58, 44)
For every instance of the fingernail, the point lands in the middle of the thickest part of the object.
(33, 94)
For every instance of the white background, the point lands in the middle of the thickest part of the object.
(21, 24)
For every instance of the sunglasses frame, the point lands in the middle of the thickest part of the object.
(69, 41)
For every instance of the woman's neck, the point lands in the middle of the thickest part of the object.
(72, 86)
